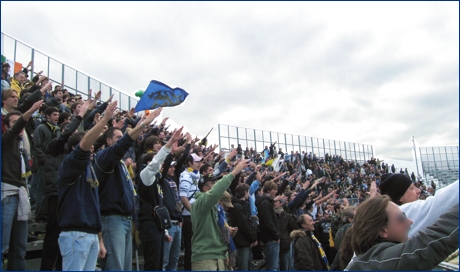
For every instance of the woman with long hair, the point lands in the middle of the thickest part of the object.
(379, 238)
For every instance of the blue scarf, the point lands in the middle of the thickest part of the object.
(225, 236)
(321, 251)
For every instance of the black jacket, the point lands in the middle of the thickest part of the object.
(269, 227)
(306, 253)
(43, 134)
(51, 102)
(239, 216)
(55, 153)
(322, 231)
(11, 166)
(287, 224)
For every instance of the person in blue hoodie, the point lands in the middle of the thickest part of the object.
(79, 218)
(116, 195)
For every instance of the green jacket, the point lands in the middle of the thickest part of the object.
(206, 244)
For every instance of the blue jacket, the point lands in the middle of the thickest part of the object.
(116, 193)
(78, 201)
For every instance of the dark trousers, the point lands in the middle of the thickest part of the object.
(51, 254)
(330, 253)
(40, 203)
(187, 233)
(257, 250)
(153, 245)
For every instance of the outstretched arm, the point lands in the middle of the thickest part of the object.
(91, 136)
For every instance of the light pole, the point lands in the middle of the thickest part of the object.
(415, 153)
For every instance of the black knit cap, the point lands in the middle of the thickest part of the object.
(395, 186)
(205, 179)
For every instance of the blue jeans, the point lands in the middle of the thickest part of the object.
(79, 250)
(291, 256)
(14, 234)
(172, 250)
(285, 261)
(272, 254)
(116, 234)
(243, 258)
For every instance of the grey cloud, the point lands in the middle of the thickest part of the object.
(249, 56)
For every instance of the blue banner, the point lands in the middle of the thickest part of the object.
(158, 95)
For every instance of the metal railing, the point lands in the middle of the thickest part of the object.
(258, 139)
(76, 81)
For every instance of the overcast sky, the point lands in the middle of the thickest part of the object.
(364, 72)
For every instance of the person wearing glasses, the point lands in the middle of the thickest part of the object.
(379, 238)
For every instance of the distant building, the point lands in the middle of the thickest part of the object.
(439, 163)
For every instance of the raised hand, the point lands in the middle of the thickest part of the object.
(46, 87)
(373, 189)
(258, 176)
(188, 137)
(130, 113)
(175, 148)
(98, 95)
(177, 135)
(93, 102)
(110, 99)
(153, 115)
(97, 118)
(84, 107)
(232, 154)
(174, 138)
(240, 166)
(109, 111)
(36, 106)
(118, 124)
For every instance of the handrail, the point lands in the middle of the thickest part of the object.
(126, 99)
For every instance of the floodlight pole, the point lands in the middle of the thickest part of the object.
(415, 153)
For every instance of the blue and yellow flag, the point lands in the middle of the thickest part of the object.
(158, 95)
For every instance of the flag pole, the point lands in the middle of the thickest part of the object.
(204, 141)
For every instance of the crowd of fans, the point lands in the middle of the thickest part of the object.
(108, 177)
